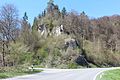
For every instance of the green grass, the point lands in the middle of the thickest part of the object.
(110, 75)
(12, 72)
(38, 66)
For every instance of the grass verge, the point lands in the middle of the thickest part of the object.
(8, 72)
(110, 75)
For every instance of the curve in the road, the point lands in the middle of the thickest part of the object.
(63, 74)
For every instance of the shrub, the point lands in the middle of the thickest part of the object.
(72, 65)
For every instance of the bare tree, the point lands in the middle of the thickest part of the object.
(8, 26)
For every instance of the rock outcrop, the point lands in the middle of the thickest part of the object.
(44, 30)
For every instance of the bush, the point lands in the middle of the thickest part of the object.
(6, 72)
(72, 65)
(3, 76)
(101, 57)
(43, 52)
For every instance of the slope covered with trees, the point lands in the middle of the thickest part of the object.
(59, 39)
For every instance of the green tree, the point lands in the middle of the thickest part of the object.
(50, 6)
(64, 12)
(25, 18)
(43, 13)
(56, 12)
(35, 24)
(26, 30)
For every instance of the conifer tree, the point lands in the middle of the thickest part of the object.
(64, 12)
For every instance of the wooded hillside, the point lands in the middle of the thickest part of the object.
(58, 39)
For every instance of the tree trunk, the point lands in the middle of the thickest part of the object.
(3, 53)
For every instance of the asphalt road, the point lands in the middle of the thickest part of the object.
(63, 74)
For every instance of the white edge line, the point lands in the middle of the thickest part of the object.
(104, 71)
(98, 74)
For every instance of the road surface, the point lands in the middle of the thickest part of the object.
(63, 74)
